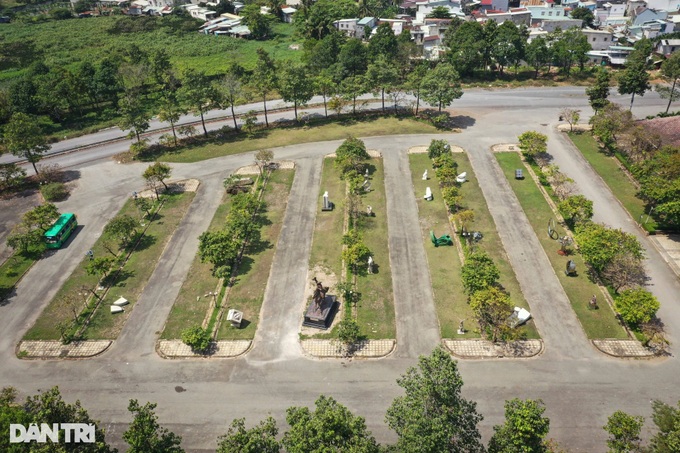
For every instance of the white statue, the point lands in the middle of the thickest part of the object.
(428, 194)
(370, 264)
(425, 176)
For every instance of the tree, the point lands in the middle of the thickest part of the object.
(585, 14)
(671, 70)
(599, 245)
(230, 93)
(157, 172)
(72, 301)
(99, 266)
(636, 306)
(197, 337)
(381, 76)
(260, 25)
(294, 86)
(12, 176)
(383, 44)
(667, 420)
(466, 43)
(171, 111)
(264, 78)
(262, 158)
(316, 20)
(524, 429)
(532, 144)
(414, 82)
(353, 59)
(144, 205)
(634, 79)
(197, 93)
(537, 54)
(22, 239)
(351, 88)
(569, 47)
(599, 92)
(441, 86)
(432, 416)
(440, 12)
(437, 148)
(145, 435)
(259, 439)
(479, 272)
(492, 308)
(220, 249)
(24, 138)
(624, 432)
(571, 116)
(348, 331)
(326, 87)
(350, 155)
(624, 270)
(508, 45)
(121, 227)
(330, 427)
(576, 209)
(41, 217)
(609, 122)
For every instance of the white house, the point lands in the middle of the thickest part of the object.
(287, 14)
(598, 39)
(199, 12)
(520, 16)
(425, 7)
(668, 46)
(347, 26)
(546, 11)
(564, 23)
(667, 5)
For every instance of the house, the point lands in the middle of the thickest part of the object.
(615, 55)
(397, 25)
(666, 5)
(432, 47)
(425, 7)
(544, 10)
(496, 5)
(644, 15)
(347, 26)
(564, 23)
(650, 30)
(667, 46)
(200, 12)
(287, 14)
(364, 24)
(598, 39)
(520, 16)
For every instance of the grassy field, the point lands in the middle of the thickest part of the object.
(11, 271)
(131, 281)
(272, 138)
(596, 323)
(248, 292)
(610, 171)
(444, 263)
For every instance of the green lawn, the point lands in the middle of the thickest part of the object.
(596, 323)
(444, 263)
(272, 138)
(248, 292)
(11, 271)
(131, 281)
(610, 171)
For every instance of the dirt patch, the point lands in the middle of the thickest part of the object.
(328, 278)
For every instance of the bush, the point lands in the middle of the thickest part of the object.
(12, 176)
(636, 306)
(452, 198)
(50, 173)
(479, 272)
(444, 160)
(348, 331)
(61, 13)
(438, 148)
(55, 191)
(197, 337)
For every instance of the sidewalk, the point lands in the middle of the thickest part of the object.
(484, 349)
(58, 350)
(176, 349)
(368, 349)
(668, 246)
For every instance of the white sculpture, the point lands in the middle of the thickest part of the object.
(121, 302)
(370, 264)
(428, 194)
(462, 177)
(116, 309)
(235, 317)
(425, 176)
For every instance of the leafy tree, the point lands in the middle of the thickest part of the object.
(351, 88)
(636, 306)
(599, 245)
(230, 93)
(41, 217)
(585, 14)
(350, 155)
(348, 331)
(624, 270)
(24, 138)
(537, 54)
(576, 209)
(322, 55)
(599, 92)
(262, 158)
(667, 420)
(171, 111)
(437, 148)
(532, 144)
(671, 69)
(479, 272)
(12, 176)
(383, 44)
(330, 427)
(571, 116)
(492, 308)
(22, 239)
(259, 439)
(326, 87)
(264, 78)
(61, 13)
(260, 25)
(381, 76)
(122, 227)
(249, 123)
(609, 122)
(624, 432)
(440, 12)
(634, 79)
(509, 44)
(569, 47)
(316, 20)
(353, 58)
(157, 172)
(197, 337)
(145, 435)
(144, 205)
(414, 82)
(219, 249)
(466, 43)
(433, 415)
(524, 429)
(441, 86)
(99, 266)
(294, 86)
(197, 93)
(133, 115)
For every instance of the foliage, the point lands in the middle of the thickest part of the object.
(23, 137)
(249, 123)
(316, 21)
(440, 12)
(145, 435)
(569, 47)
(144, 205)
(198, 94)
(99, 266)
(599, 92)
(294, 86)
(479, 272)
(55, 191)
(624, 270)
(659, 178)
(670, 69)
(624, 432)
(599, 244)
(351, 155)
(157, 172)
(636, 306)
(349, 331)
(12, 177)
(585, 14)
(609, 122)
(355, 253)
(452, 198)
(259, 439)
(508, 45)
(219, 249)
(197, 337)
(571, 116)
(437, 148)
(441, 86)
(537, 54)
(532, 144)
(634, 79)
(330, 427)
(432, 415)
(260, 25)
(262, 158)
(576, 209)
(28, 234)
(524, 429)
(122, 227)
(492, 308)
(134, 116)
(667, 420)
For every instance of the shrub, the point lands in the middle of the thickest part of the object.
(444, 160)
(351, 155)
(50, 173)
(479, 272)
(576, 209)
(12, 176)
(438, 148)
(55, 191)
(452, 198)
(636, 306)
(197, 337)
(348, 331)
(61, 13)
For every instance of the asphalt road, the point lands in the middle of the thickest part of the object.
(198, 398)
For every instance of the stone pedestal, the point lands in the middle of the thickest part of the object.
(321, 317)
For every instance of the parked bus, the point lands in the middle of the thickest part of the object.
(60, 231)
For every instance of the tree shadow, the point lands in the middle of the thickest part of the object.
(118, 279)
(462, 121)
(141, 243)
(70, 175)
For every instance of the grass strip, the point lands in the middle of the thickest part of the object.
(596, 323)
(614, 176)
(131, 281)
(247, 293)
(12, 270)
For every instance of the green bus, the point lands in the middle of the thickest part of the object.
(60, 231)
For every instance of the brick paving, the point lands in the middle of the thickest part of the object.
(183, 185)
(423, 149)
(254, 170)
(175, 349)
(371, 152)
(333, 348)
(483, 349)
(623, 348)
(57, 350)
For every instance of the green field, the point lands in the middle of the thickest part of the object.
(610, 171)
(596, 323)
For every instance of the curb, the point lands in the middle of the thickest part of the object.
(335, 349)
(488, 350)
(64, 351)
(242, 347)
(644, 353)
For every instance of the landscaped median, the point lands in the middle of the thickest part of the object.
(204, 300)
(373, 313)
(80, 309)
(597, 324)
(444, 261)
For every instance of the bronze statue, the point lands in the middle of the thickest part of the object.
(319, 294)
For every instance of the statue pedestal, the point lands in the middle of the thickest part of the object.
(460, 332)
(321, 317)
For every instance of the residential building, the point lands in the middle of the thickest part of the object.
(495, 5)
(347, 26)
(363, 25)
(645, 15)
(666, 5)
(599, 39)
(564, 23)
(425, 7)
(287, 14)
(668, 46)
(520, 16)
(615, 55)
